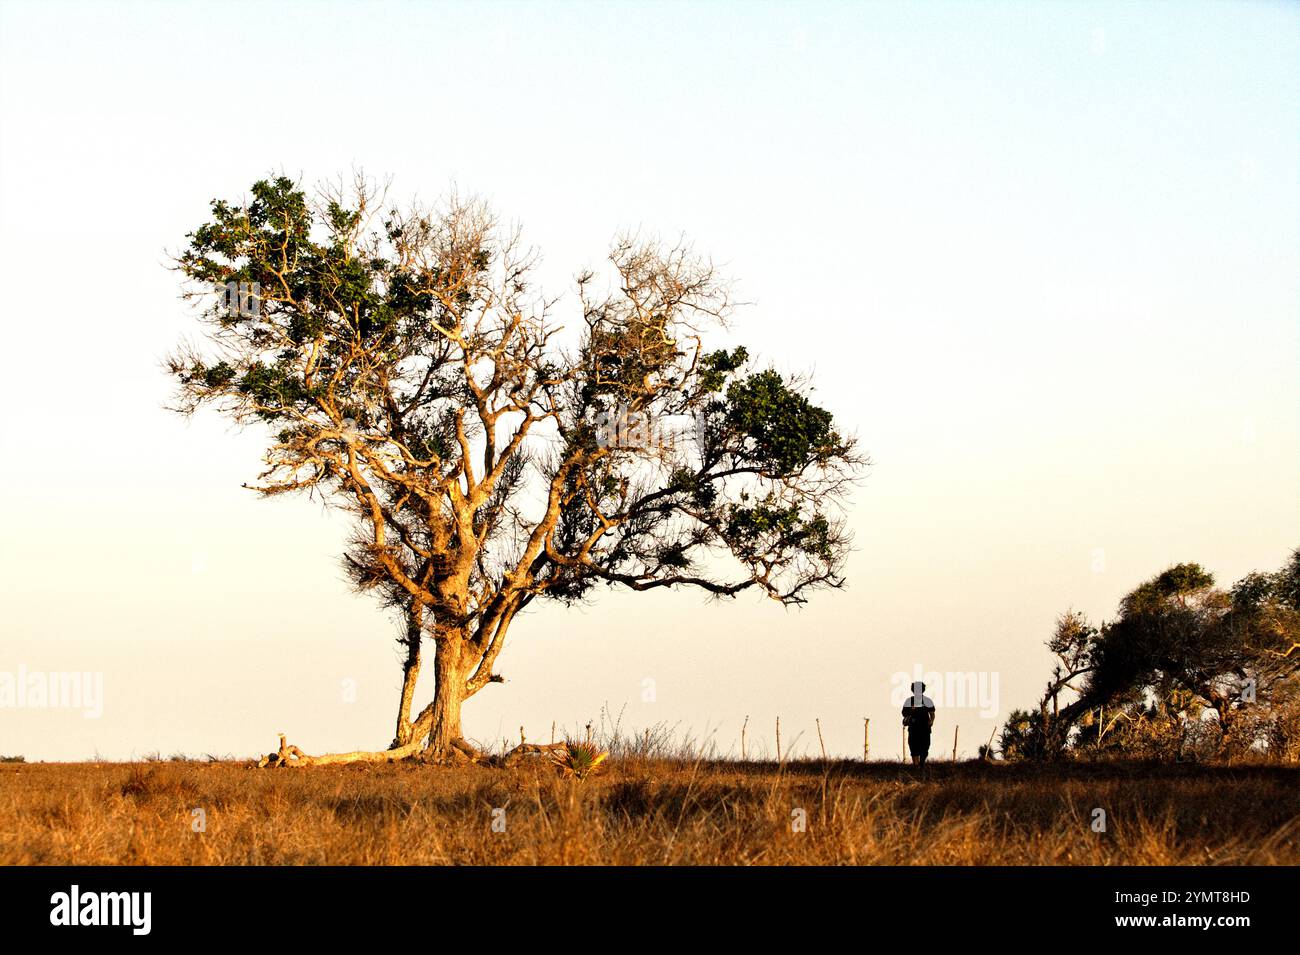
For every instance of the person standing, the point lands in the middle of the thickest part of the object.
(918, 717)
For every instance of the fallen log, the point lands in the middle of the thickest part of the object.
(290, 756)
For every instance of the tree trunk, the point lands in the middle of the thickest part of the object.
(410, 674)
(455, 659)
(450, 672)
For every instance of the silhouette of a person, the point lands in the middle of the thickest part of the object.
(918, 717)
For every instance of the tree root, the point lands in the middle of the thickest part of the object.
(459, 752)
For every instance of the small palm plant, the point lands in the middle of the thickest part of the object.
(578, 759)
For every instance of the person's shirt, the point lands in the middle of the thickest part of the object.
(918, 713)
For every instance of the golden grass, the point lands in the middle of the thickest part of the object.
(643, 811)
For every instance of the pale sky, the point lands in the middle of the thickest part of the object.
(1042, 259)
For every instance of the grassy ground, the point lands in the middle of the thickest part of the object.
(642, 811)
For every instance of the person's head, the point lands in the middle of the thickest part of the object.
(918, 691)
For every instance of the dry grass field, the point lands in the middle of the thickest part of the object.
(648, 811)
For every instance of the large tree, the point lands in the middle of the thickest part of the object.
(407, 370)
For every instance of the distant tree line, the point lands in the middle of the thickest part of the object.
(1186, 671)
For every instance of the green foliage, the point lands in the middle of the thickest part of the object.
(1260, 592)
(218, 376)
(717, 365)
(322, 294)
(1167, 633)
(579, 759)
(768, 524)
(785, 431)
(1022, 736)
(1175, 584)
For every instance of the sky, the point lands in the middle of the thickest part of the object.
(1043, 260)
